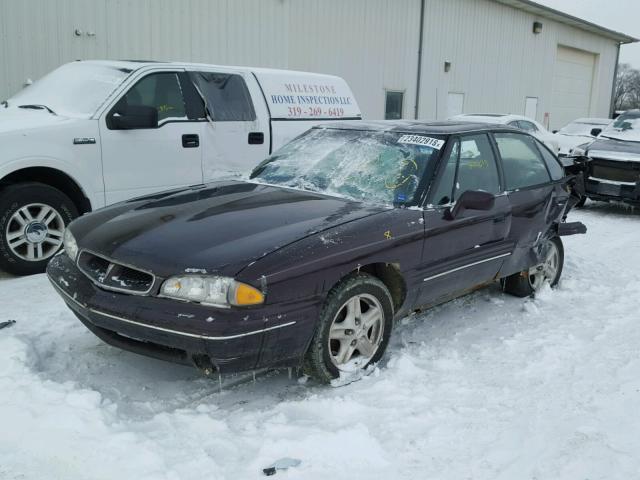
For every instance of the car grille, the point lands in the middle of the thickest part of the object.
(615, 170)
(114, 276)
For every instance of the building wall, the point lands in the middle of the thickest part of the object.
(496, 59)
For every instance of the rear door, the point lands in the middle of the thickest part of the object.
(535, 200)
(469, 250)
(235, 137)
(141, 161)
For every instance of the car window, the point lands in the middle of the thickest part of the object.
(553, 164)
(159, 90)
(470, 165)
(528, 126)
(521, 161)
(514, 123)
(227, 96)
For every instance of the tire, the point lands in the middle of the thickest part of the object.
(340, 332)
(27, 241)
(526, 283)
(581, 202)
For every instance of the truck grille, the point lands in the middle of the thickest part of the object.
(615, 170)
(114, 276)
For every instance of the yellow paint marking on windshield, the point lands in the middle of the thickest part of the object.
(404, 177)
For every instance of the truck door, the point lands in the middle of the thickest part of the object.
(236, 137)
(138, 161)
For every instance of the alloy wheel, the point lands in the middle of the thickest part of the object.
(356, 332)
(548, 269)
(34, 232)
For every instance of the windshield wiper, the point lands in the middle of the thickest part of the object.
(38, 107)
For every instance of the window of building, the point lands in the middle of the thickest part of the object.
(393, 105)
(521, 161)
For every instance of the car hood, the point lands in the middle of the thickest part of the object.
(569, 142)
(220, 228)
(18, 120)
(613, 149)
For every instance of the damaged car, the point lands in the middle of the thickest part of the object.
(311, 260)
(610, 165)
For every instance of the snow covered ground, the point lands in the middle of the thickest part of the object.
(486, 387)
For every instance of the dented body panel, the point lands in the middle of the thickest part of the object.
(295, 246)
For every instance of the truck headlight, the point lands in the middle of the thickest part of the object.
(70, 245)
(209, 290)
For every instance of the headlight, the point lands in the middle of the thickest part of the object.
(70, 245)
(218, 291)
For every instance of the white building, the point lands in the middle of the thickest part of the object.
(403, 58)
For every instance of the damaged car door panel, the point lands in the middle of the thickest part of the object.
(335, 236)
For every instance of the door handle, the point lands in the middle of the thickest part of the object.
(190, 140)
(256, 138)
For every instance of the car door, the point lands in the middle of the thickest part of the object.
(533, 197)
(469, 250)
(139, 161)
(236, 136)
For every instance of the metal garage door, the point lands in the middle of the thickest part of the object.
(572, 84)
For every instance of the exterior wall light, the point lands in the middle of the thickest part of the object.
(537, 27)
(447, 66)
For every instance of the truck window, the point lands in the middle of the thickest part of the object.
(226, 95)
(159, 90)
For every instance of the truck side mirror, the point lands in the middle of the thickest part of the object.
(134, 117)
(471, 200)
(595, 132)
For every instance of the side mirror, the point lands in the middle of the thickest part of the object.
(471, 200)
(133, 117)
(554, 131)
(595, 132)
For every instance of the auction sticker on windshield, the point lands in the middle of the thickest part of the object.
(421, 140)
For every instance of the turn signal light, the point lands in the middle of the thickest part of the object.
(247, 295)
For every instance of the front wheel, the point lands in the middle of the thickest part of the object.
(353, 329)
(33, 217)
(526, 283)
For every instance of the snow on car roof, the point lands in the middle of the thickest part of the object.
(416, 126)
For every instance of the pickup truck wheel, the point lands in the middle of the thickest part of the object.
(526, 283)
(353, 330)
(33, 217)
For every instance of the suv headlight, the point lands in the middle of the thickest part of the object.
(209, 290)
(70, 245)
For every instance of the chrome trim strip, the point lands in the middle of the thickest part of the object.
(612, 182)
(618, 156)
(167, 330)
(457, 269)
(109, 287)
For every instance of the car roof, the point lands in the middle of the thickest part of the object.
(420, 127)
(595, 121)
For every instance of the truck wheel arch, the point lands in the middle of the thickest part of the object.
(54, 178)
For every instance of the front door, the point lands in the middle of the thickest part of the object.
(236, 136)
(142, 161)
(469, 250)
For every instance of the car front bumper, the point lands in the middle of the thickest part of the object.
(227, 340)
(610, 190)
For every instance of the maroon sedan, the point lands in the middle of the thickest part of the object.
(309, 261)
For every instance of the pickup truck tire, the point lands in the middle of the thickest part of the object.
(526, 283)
(33, 217)
(353, 329)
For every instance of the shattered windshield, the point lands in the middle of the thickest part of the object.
(373, 166)
(625, 127)
(75, 89)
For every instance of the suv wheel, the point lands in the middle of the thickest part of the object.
(526, 283)
(353, 329)
(33, 217)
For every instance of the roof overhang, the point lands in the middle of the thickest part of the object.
(561, 17)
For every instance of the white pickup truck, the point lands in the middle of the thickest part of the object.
(92, 133)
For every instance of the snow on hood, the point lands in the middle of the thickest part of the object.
(626, 127)
(13, 120)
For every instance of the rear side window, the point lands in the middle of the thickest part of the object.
(159, 90)
(527, 126)
(521, 161)
(553, 164)
(226, 95)
(470, 165)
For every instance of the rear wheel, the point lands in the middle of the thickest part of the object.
(526, 283)
(353, 330)
(33, 217)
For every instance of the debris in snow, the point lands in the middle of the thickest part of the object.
(8, 323)
(282, 464)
